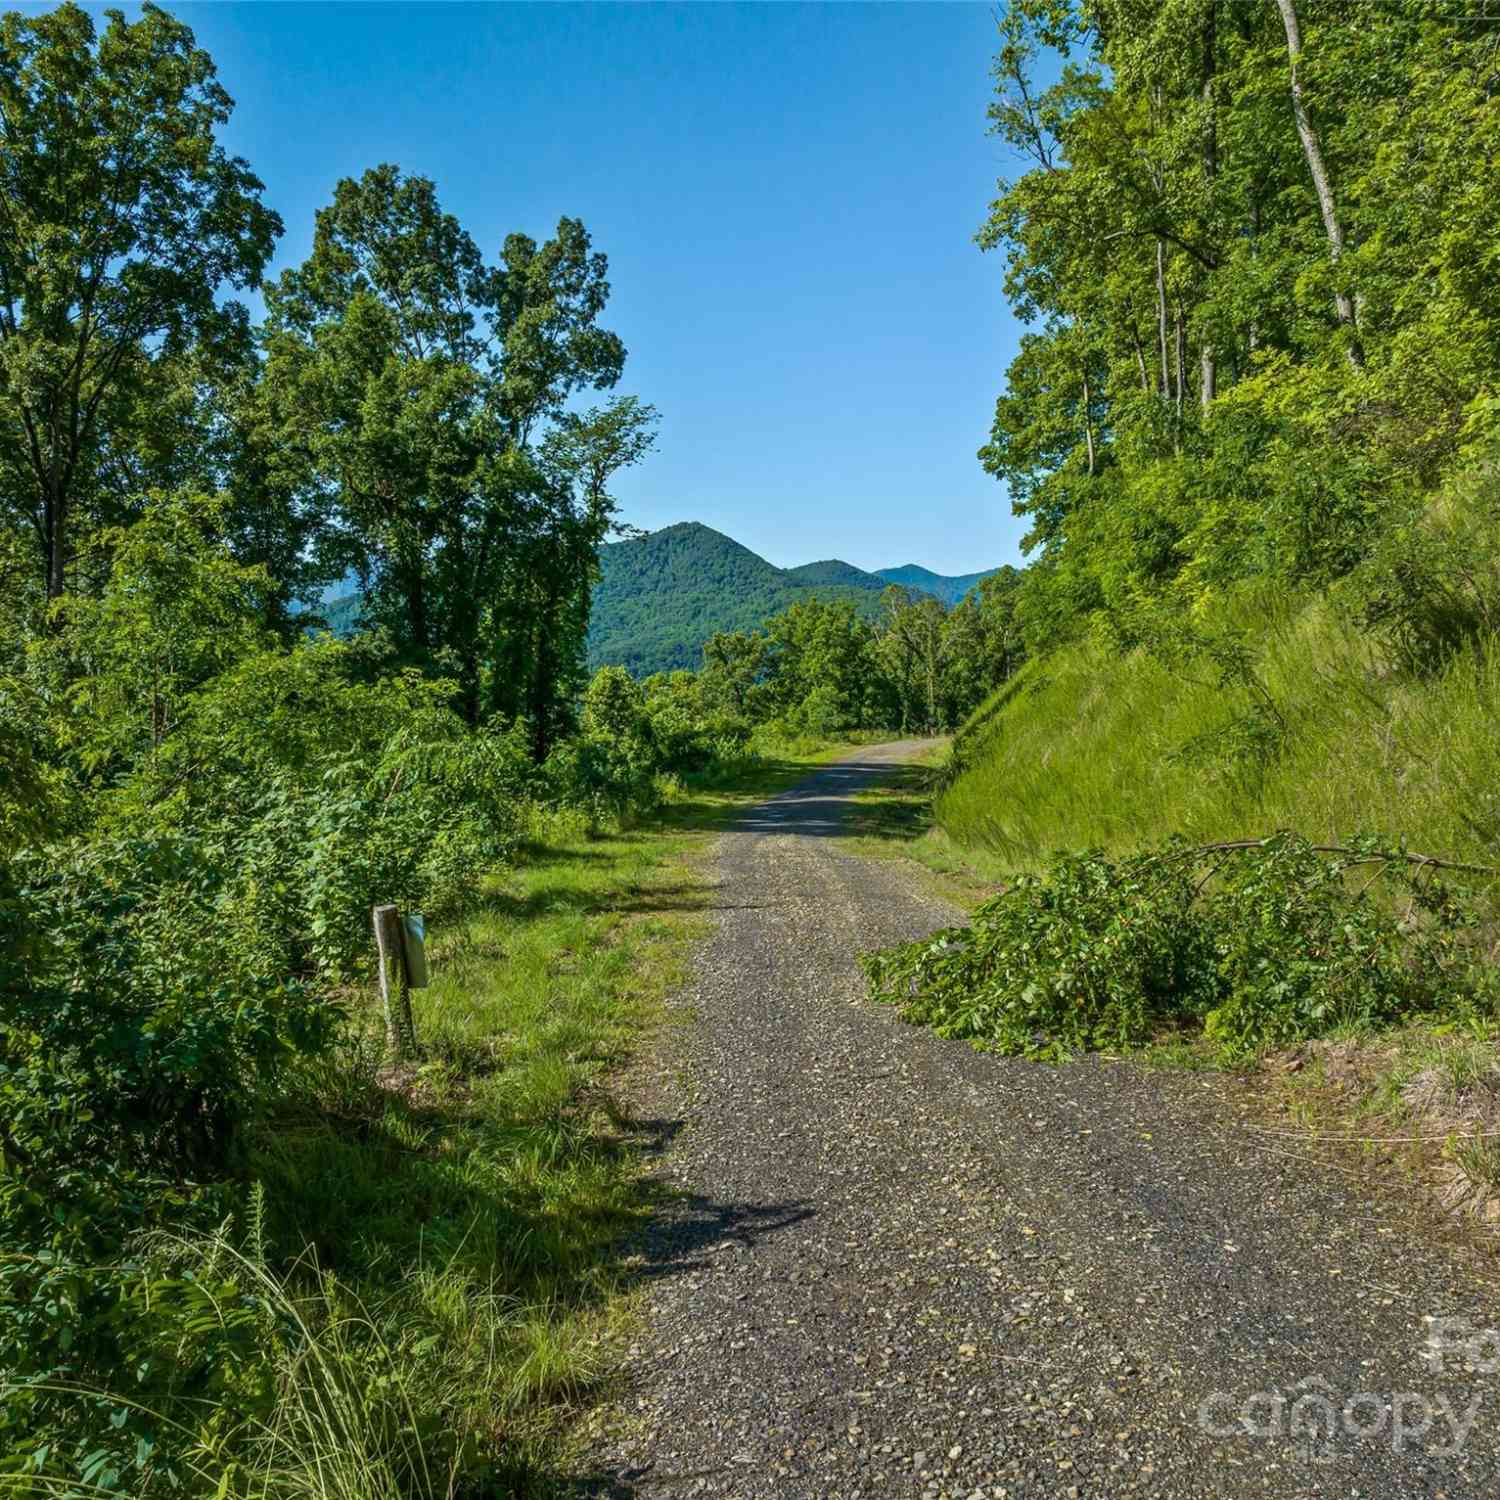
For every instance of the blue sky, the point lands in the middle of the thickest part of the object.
(787, 195)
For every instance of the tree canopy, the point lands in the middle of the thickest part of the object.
(1250, 244)
(123, 220)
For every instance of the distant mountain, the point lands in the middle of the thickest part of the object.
(662, 595)
(949, 589)
(343, 613)
(836, 574)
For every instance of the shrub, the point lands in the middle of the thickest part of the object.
(1256, 943)
(139, 1032)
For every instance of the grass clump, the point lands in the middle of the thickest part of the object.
(1254, 944)
(412, 1281)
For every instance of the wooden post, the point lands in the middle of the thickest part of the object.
(394, 991)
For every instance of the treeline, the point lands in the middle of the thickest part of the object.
(820, 668)
(1254, 246)
(401, 414)
(200, 796)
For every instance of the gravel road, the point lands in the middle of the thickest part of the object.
(892, 1265)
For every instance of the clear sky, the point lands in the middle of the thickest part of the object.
(787, 195)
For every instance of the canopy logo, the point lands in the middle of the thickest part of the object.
(1317, 1421)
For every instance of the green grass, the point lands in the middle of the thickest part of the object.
(440, 1242)
(1087, 748)
(470, 1203)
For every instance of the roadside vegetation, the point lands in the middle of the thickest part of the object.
(244, 1251)
(1228, 742)
(1237, 795)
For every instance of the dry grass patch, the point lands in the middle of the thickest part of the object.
(1418, 1106)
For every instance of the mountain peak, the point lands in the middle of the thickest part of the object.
(661, 595)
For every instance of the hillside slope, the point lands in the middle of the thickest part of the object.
(1085, 748)
(661, 596)
(949, 589)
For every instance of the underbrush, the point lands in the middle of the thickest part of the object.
(1250, 943)
(407, 1280)
(1204, 756)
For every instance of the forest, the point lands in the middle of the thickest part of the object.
(1252, 427)
(1247, 680)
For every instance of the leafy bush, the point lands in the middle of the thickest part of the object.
(1431, 586)
(1257, 943)
(139, 1032)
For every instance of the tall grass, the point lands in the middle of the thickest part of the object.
(1089, 748)
(469, 1204)
(423, 1282)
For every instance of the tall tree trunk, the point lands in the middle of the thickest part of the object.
(1088, 423)
(1312, 149)
(55, 525)
(416, 599)
(1253, 332)
(541, 692)
(1208, 375)
(1140, 358)
(1179, 349)
(1161, 319)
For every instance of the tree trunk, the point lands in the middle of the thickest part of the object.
(1253, 332)
(543, 694)
(1161, 319)
(416, 601)
(55, 519)
(1140, 359)
(1312, 149)
(1088, 424)
(1179, 342)
(1208, 376)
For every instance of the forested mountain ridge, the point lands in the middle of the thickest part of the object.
(662, 595)
(949, 589)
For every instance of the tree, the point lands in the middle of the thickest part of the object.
(121, 219)
(1278, 205)
(821, 656)
(915, 643)
(422, 390)
(734, 662)
(1317, 168)
(545, 610)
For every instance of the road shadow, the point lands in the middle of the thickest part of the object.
(685, 1228)
(824, 806)
(688, 1232)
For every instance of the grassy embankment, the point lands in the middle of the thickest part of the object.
(1088, 748)
(440, 1243)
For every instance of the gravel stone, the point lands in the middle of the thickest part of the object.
(877, 1242)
